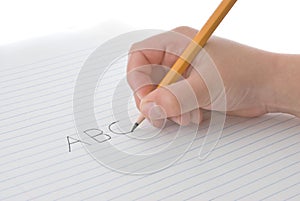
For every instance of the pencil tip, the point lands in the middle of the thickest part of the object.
(134, 127)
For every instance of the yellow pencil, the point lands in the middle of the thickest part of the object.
(193, 48)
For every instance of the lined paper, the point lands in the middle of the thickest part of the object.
(255, 159)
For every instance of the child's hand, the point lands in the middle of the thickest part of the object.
(247, 75)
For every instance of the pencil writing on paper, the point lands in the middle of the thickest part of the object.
(96, 134)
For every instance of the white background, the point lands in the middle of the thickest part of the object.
(268, 24)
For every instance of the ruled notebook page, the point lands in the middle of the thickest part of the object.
(255, 159)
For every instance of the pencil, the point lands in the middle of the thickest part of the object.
(193, 48)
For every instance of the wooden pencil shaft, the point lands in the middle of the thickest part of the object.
(197, 43)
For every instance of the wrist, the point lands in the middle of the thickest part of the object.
(283, 84)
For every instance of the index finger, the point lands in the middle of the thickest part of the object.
(141, 72)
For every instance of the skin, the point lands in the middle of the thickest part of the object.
(256, 82)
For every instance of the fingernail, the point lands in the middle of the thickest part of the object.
(153, 111)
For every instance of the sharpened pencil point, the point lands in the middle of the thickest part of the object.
(134, 127)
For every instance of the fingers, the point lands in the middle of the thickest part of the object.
(173, 100)
(140, 78)
(148, 57)
(183, 119)
(195, 116)
(148, 62)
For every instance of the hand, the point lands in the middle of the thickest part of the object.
(246, 73)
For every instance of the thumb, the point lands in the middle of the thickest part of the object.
(173, 100)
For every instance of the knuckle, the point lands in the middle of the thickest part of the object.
(181, 28)
(185, 30)
(134, 46)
